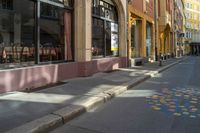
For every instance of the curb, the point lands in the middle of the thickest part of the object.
(64, 115)
(168, 66)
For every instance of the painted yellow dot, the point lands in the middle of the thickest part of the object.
(177, 114)
(157, 108)
(162, 101)
(193, 101)
(186, 113)
(184, 109)
(172, 107)
(171, 110)
(186, 96)
(192, 116)
(172, 103)
(194, 109)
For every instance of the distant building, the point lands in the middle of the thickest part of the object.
(179, 28)
(192, 12)
(166, 46)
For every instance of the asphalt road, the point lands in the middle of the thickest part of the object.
(166, 103)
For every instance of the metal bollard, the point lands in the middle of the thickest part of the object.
(160, 62)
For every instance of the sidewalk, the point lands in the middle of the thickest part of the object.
(43, 110)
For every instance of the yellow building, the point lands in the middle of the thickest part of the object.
(179, 28)
(141, 31)
(192, 12)
(165, 45)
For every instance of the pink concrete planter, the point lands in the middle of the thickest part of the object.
(37, 76)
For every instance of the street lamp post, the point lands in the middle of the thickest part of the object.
(155, 22)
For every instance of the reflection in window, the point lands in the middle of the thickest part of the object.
(105, 9)
(6, 4)
(48, 10)
(55, 34)
(58, 1)
(17, 32)
(68, 3)
(105, 29)
(98, 37)
(51, 33)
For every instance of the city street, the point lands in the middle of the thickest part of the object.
(100, 66)
(166, 103)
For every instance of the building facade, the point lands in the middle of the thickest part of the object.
(192, 11)
(141, 31)
(179, 28)
(166, 47)
(46, 41)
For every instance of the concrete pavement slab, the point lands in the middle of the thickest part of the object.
(48, 123)
(69, 112)
(74, 129)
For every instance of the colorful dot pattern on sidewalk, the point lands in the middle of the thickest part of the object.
(177, 102)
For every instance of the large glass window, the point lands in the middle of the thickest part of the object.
(55, 33)
(16, 32)
(6, 4)
(98, 37)
(148, 39)
(51, 33)
(105, 29)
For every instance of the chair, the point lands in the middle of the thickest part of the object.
(58, 53)
(17, 52)
(25, 54)
(53, 54)
(2, 54)
(45, 54)
(31, 53)
(8, 54)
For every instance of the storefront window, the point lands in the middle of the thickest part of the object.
(58, 1)
(98, 37)
(50, 11)
(17, 26)
(68, 3)
(55, 33)
(6, 4)
(105, 29)
(18, 32)
(148, 39)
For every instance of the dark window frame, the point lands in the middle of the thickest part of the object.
(38, 16)
(104, 19)
(36, 33)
